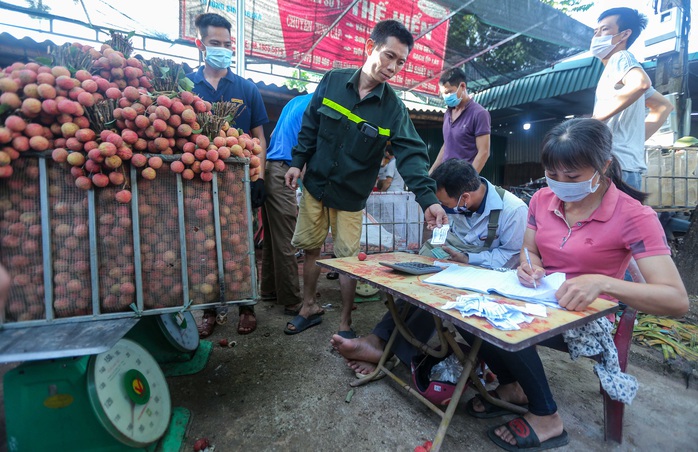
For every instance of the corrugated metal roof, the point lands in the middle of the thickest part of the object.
(564, 78)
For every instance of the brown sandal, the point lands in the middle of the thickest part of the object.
(208, 323)
(247, 323)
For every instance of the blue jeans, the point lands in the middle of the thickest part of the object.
(633, 178)
(419, 322)
(524, 367)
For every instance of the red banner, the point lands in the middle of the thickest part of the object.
(286, 30)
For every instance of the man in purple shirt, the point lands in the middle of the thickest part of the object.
(466, 126)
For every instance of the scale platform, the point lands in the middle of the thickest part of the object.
(61, 340)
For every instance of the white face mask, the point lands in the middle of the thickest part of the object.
(572, 191)
(601, 46)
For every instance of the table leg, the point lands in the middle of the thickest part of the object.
(457, 393)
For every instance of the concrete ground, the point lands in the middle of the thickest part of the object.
(273, 392)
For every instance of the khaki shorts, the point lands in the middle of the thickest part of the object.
(314, 222)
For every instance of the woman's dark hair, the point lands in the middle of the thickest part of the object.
(628, 19)
(582, 142)
(387, 28)
(456, 176)
(203, 21)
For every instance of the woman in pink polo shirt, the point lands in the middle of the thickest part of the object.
(587, 224)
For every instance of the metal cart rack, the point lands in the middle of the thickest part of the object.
(79, 256)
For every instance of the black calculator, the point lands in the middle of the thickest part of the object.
(413, 268)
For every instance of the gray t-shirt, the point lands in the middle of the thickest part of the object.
(391, 171)
(628, 126)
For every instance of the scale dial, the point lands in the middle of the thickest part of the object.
(129, 394)
(366, 290)
(180, 329)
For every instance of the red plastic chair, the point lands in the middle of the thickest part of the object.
(613, 410)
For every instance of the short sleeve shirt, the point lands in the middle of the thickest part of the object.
(459, 135)
(627, 126)
(620, 228)
(397, 184)
(233, 88)
(285, 134)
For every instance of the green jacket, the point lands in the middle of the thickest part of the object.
(342, 162)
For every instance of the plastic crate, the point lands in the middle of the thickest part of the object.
(81, 255)
(672, 178)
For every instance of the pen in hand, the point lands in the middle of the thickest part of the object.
(528, 261)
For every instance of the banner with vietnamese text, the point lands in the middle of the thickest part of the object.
(286, 30)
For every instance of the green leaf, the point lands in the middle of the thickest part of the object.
(131, 34)
(164, 70)
(46, 61)
(197, 131)
(5, 108)
(186, 84)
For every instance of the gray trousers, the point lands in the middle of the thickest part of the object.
(279, 265)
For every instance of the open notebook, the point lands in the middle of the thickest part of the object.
(504, 283)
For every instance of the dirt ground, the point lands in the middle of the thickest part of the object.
(273, 392)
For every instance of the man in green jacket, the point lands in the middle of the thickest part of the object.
(351, 117)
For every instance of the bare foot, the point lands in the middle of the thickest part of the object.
(545, 427)
(368, 348)
(361, 367)
(306, 310)
(511, 393)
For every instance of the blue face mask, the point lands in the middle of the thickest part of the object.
(452, 99)
(219, 57)
(573, 191)
(461, 209)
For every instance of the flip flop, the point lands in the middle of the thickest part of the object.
(526, 438)
(351, 334)
(491, 410)
(301, 324)
(389, 364)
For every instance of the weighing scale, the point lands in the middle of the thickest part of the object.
(116, 400)
(366, 290)
(168, 337)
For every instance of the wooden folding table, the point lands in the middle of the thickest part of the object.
(431, 298)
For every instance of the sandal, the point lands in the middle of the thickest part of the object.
(300, 323)
(208, 323)
(247, 322)
(491, 410)
(525, 437)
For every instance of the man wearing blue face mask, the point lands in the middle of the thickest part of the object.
(466, 125)
(215, 82)
(624, 90)
(486, 222)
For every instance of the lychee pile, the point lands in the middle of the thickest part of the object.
(95, 121)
